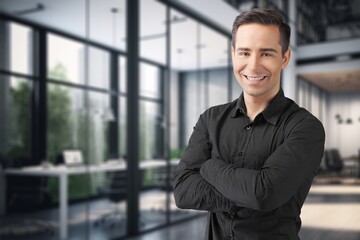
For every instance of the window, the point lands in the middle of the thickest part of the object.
(16, 117)
(65, 59)
(20, 54)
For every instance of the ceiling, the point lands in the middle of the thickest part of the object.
(346, 81)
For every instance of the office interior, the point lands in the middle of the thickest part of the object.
(99, 99)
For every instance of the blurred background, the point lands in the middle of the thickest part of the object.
(98, 100)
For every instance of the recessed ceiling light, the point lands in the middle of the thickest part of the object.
(343, 58)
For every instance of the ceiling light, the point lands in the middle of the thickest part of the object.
(39, 7)
(343, 58)
(349, 121)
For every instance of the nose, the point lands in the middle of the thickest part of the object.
(253, 62)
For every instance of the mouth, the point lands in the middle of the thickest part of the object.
(255, 78)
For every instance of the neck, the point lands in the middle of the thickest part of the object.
(256, 104)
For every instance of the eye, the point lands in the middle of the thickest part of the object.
(244, 54)
(266, 54)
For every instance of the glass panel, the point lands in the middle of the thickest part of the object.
(218, 92)
(152, 196)
(202, 56)
(183, 42)
(122, 74)
(213, 49)
(16, 118)
(23, 198)
(149, 81)
(108, 211)
(100, 115)
(20, 51)
(66, 120)
(99, 68)
(65, 60)
(112, 14)
(150, 131)
(123, 126)
(153, 31)
(194, 100)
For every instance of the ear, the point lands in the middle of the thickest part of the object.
(286, 58)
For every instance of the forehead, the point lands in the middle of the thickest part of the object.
(261, 35)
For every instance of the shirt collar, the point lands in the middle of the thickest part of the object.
(271, 113)
(240, 108)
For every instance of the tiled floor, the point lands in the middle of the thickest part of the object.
(331, 212)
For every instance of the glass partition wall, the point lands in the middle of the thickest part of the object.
(64, 88)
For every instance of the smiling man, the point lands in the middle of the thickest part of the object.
(250, 163)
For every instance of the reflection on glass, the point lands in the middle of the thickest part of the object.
(66, 58)
(20, 49)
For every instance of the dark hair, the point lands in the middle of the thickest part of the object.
(267, 17)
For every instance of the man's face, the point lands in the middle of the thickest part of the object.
(258, 60)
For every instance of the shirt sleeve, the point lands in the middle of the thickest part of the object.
(287, 168)
(191, 191)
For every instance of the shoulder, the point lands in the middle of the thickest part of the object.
(300, 119)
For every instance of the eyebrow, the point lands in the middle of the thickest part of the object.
(261, 50)
(268, 50)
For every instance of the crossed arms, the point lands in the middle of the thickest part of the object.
(204, 183)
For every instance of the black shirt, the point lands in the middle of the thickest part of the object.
(252, 177)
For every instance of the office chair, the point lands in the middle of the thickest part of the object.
(333, 161)
(26, 193)
(115, 190)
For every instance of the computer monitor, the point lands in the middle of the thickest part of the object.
(72, 157)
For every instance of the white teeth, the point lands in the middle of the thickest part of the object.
(255, 78)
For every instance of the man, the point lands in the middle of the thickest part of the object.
(250, 163)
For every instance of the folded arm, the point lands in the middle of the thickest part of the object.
(294, 161)
(191, 191)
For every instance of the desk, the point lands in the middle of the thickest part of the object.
(63, 172)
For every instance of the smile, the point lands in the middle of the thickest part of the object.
(255, 78)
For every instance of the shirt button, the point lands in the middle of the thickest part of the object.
(228, 238)
(240, 154)
(248, 128)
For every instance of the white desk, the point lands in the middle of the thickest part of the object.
(62, 172)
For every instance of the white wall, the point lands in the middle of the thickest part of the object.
(345, 137)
